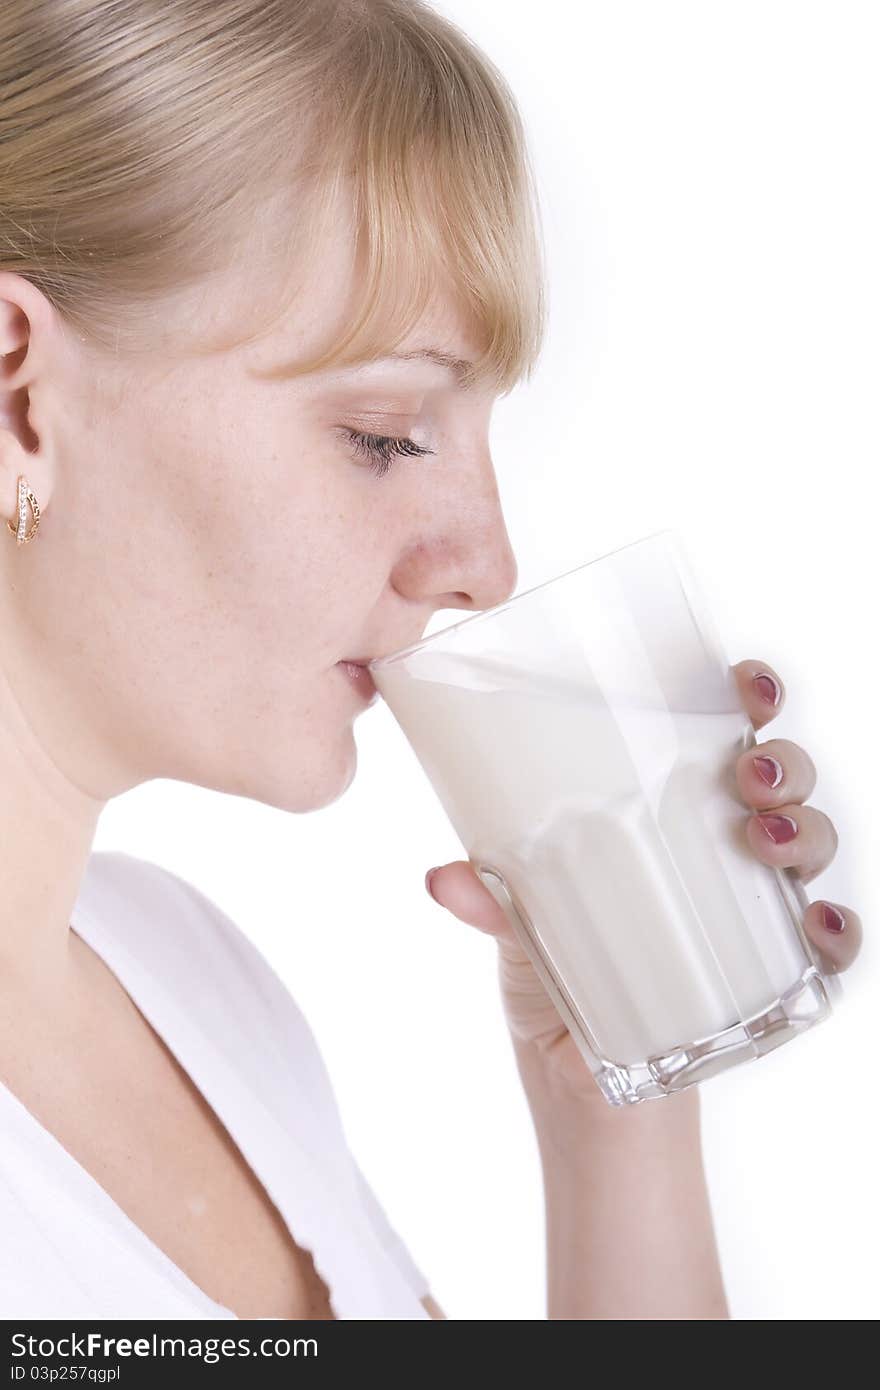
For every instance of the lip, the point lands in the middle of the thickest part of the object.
(360, 678)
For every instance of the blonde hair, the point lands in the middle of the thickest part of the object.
(143, 142)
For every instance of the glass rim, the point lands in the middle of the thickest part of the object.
(670, 532)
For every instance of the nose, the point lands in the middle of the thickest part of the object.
(466, 561)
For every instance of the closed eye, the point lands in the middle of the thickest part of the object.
(381, 449)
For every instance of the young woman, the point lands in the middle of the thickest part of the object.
(264, 269)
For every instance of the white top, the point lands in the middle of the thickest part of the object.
(67, 1250)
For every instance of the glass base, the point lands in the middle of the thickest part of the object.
(806, 1003)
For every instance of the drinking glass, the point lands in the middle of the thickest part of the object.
(581, 738)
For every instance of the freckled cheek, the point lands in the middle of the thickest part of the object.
(317, 559)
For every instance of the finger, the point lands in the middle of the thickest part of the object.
(457, 888)
(837, 949)
(805, 839)
(775, 772)
(761, 691)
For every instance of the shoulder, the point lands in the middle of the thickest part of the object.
(151, 920)
(144, 902)
(200, 956)
(167, 921)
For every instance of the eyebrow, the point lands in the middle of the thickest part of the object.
(459, 366)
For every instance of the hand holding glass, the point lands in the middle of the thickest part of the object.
(582, 738)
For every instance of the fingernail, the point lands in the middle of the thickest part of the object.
(768, 769)
(832, 920)
(767, 687)
(781, 829)
(428, 876)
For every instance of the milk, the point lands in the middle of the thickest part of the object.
(617, 827)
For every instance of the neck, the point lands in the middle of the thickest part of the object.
(47, 827)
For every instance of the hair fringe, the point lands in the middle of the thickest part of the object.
(147, 146)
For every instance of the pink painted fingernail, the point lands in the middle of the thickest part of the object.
(428, 876)
(768, 769)
(781, 829)
(767, 687)
(832, 920)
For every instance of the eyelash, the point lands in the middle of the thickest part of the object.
(382, 448)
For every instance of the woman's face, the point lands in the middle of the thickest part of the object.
(213, 545)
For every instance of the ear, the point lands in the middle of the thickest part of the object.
(28, 334)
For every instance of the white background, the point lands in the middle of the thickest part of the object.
(708, 181)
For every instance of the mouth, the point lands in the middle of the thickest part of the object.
(356, 672)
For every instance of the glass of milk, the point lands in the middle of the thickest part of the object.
(581, 738)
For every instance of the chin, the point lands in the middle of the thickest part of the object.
(344, 774)
(314, 786)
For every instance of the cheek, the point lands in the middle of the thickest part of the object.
(283, 558)
(299, 584)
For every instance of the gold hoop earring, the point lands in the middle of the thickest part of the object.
(25, 496)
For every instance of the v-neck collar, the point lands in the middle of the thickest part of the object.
(240, 1111)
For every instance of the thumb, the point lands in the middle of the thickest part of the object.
(457, 888)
